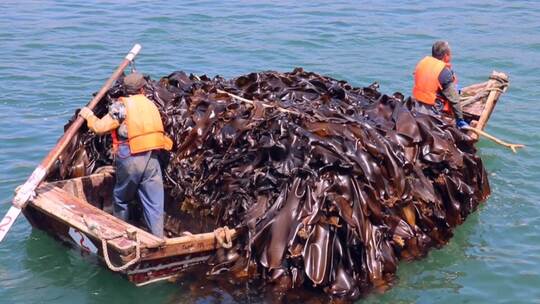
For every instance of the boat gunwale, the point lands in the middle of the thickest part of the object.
(58, 203)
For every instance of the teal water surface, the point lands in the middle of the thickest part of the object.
(55, 54)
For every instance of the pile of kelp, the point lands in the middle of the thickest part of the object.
(330, 184)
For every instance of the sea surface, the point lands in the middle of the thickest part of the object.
(55, 54)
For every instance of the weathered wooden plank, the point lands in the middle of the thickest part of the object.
(191, 244)
(95, 189)
(89, 219)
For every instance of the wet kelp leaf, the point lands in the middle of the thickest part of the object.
(331, 184)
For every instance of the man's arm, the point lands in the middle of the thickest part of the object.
(446, 78)
(99, 126)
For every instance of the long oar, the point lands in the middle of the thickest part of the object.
(26, 191)
(511, 146)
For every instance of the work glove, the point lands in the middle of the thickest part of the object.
(461, 123)
(86, 112)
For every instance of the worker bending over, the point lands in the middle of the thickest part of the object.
(435, 85)
(137, 132)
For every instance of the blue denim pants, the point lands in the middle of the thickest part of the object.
(140, 174)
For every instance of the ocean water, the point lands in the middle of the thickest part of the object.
(55, 54)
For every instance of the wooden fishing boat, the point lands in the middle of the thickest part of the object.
(78, 212)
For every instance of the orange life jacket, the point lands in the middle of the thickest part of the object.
(426, 82)
(144, 126)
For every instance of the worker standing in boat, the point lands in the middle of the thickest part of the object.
(137, 131)
(435, 88)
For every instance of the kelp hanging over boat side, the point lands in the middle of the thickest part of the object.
(331, 184)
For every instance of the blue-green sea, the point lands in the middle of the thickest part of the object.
(55, 54)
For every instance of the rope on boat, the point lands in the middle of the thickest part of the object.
(465, 101)
(129, 234)
(223, 237)
(128, 264)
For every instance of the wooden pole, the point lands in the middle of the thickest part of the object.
(251, 102)
(513, 147)
(26, 191)
(488, 109)
(492, 99)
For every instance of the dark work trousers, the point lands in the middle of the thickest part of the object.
(140, 174)
(434, 110)
(427, 109)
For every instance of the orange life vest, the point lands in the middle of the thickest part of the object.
(426, 82)
(144, 126)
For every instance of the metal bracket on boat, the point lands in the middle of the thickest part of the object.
(223, 237)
